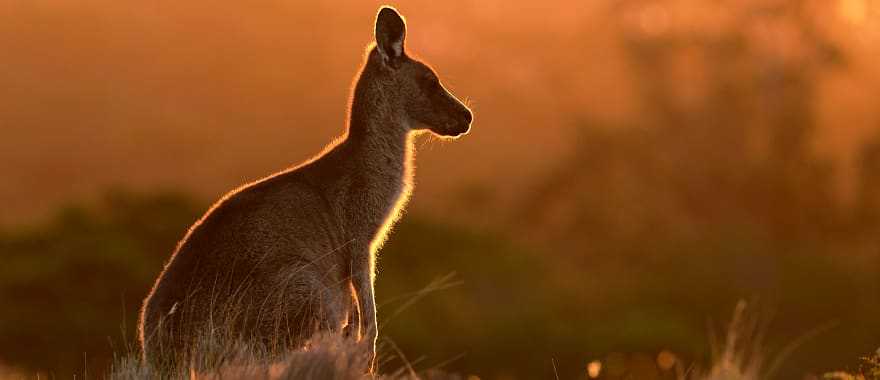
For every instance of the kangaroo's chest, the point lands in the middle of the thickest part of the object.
(374, 204)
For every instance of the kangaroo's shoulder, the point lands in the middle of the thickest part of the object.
(289, 190)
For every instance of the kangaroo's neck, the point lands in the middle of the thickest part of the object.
(379, 139)
(378, 150)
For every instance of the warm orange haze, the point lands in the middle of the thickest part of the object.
(635, 169)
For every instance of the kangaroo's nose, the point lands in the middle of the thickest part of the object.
(468, 117)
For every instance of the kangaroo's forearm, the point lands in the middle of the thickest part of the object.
(362, 281)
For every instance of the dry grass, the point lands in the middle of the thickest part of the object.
(739, 355)
(742, 355)
(325, 356)
(219, 353)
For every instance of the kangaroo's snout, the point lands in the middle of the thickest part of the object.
(453, 117)
(456, 122)
(462, 125)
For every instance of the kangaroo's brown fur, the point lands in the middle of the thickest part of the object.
(276, 260)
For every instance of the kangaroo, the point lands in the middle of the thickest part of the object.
(278, 259)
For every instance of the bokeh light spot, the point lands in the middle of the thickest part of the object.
(594, 368)
(666, 360)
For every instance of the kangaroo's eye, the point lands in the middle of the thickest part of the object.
(431, 82)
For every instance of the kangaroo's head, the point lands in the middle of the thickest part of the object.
(412, 88)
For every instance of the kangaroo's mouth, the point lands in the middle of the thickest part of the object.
(455, 126)
(462, 131)
(455, 130)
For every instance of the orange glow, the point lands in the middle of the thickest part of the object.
(630, 158)
(594, 368)
(853, 11)
(666, 360)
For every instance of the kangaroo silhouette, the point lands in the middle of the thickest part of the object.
(279, 259)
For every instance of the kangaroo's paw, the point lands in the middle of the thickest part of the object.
(368, 350)
(350, 332)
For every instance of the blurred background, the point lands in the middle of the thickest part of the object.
(635, 168)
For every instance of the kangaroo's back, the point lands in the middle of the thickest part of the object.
(238, 265)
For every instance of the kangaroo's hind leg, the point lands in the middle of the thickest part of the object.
(304, 306)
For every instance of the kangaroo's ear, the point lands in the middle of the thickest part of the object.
(390, 33)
